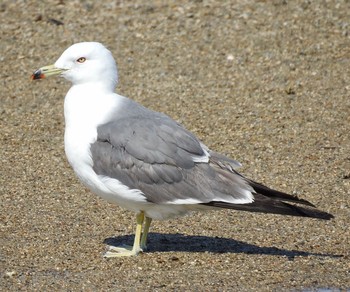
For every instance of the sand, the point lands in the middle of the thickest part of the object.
(266, 83)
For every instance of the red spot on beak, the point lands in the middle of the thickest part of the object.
(37, 75)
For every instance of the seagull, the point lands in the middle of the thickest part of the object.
(143, 160)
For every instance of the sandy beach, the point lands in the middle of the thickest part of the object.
(264, 82)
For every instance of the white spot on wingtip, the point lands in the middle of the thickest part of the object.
(204, 158)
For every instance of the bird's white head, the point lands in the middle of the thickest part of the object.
(86, 62)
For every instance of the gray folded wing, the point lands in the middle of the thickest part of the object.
(157, 156)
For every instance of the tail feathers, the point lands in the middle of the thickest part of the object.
(266, 205)
(266, 200)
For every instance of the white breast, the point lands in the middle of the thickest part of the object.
(85, 109)
(83, 112)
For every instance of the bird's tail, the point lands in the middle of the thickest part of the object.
(267, 200)
(263, 204)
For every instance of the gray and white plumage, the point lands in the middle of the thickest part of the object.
(143, 160)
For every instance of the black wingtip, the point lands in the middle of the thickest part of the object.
(266, 205)
(311, 212)
(277, 195)
(308, 211)
(328, 216)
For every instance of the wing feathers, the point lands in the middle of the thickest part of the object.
(266, 205)
(155, 156)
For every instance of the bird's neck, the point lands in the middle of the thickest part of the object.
(85, 108)
(89, 105)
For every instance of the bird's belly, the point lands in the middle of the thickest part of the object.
(111, 189)
(77, 148)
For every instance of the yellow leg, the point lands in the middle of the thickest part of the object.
(128, 250)
(145, 233)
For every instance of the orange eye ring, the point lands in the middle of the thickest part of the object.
(81, 60)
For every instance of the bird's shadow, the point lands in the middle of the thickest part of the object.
(158, 242)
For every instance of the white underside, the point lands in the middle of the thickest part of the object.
(86, 107)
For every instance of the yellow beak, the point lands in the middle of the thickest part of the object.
(46, 71)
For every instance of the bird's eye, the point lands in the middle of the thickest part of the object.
(81, 60)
